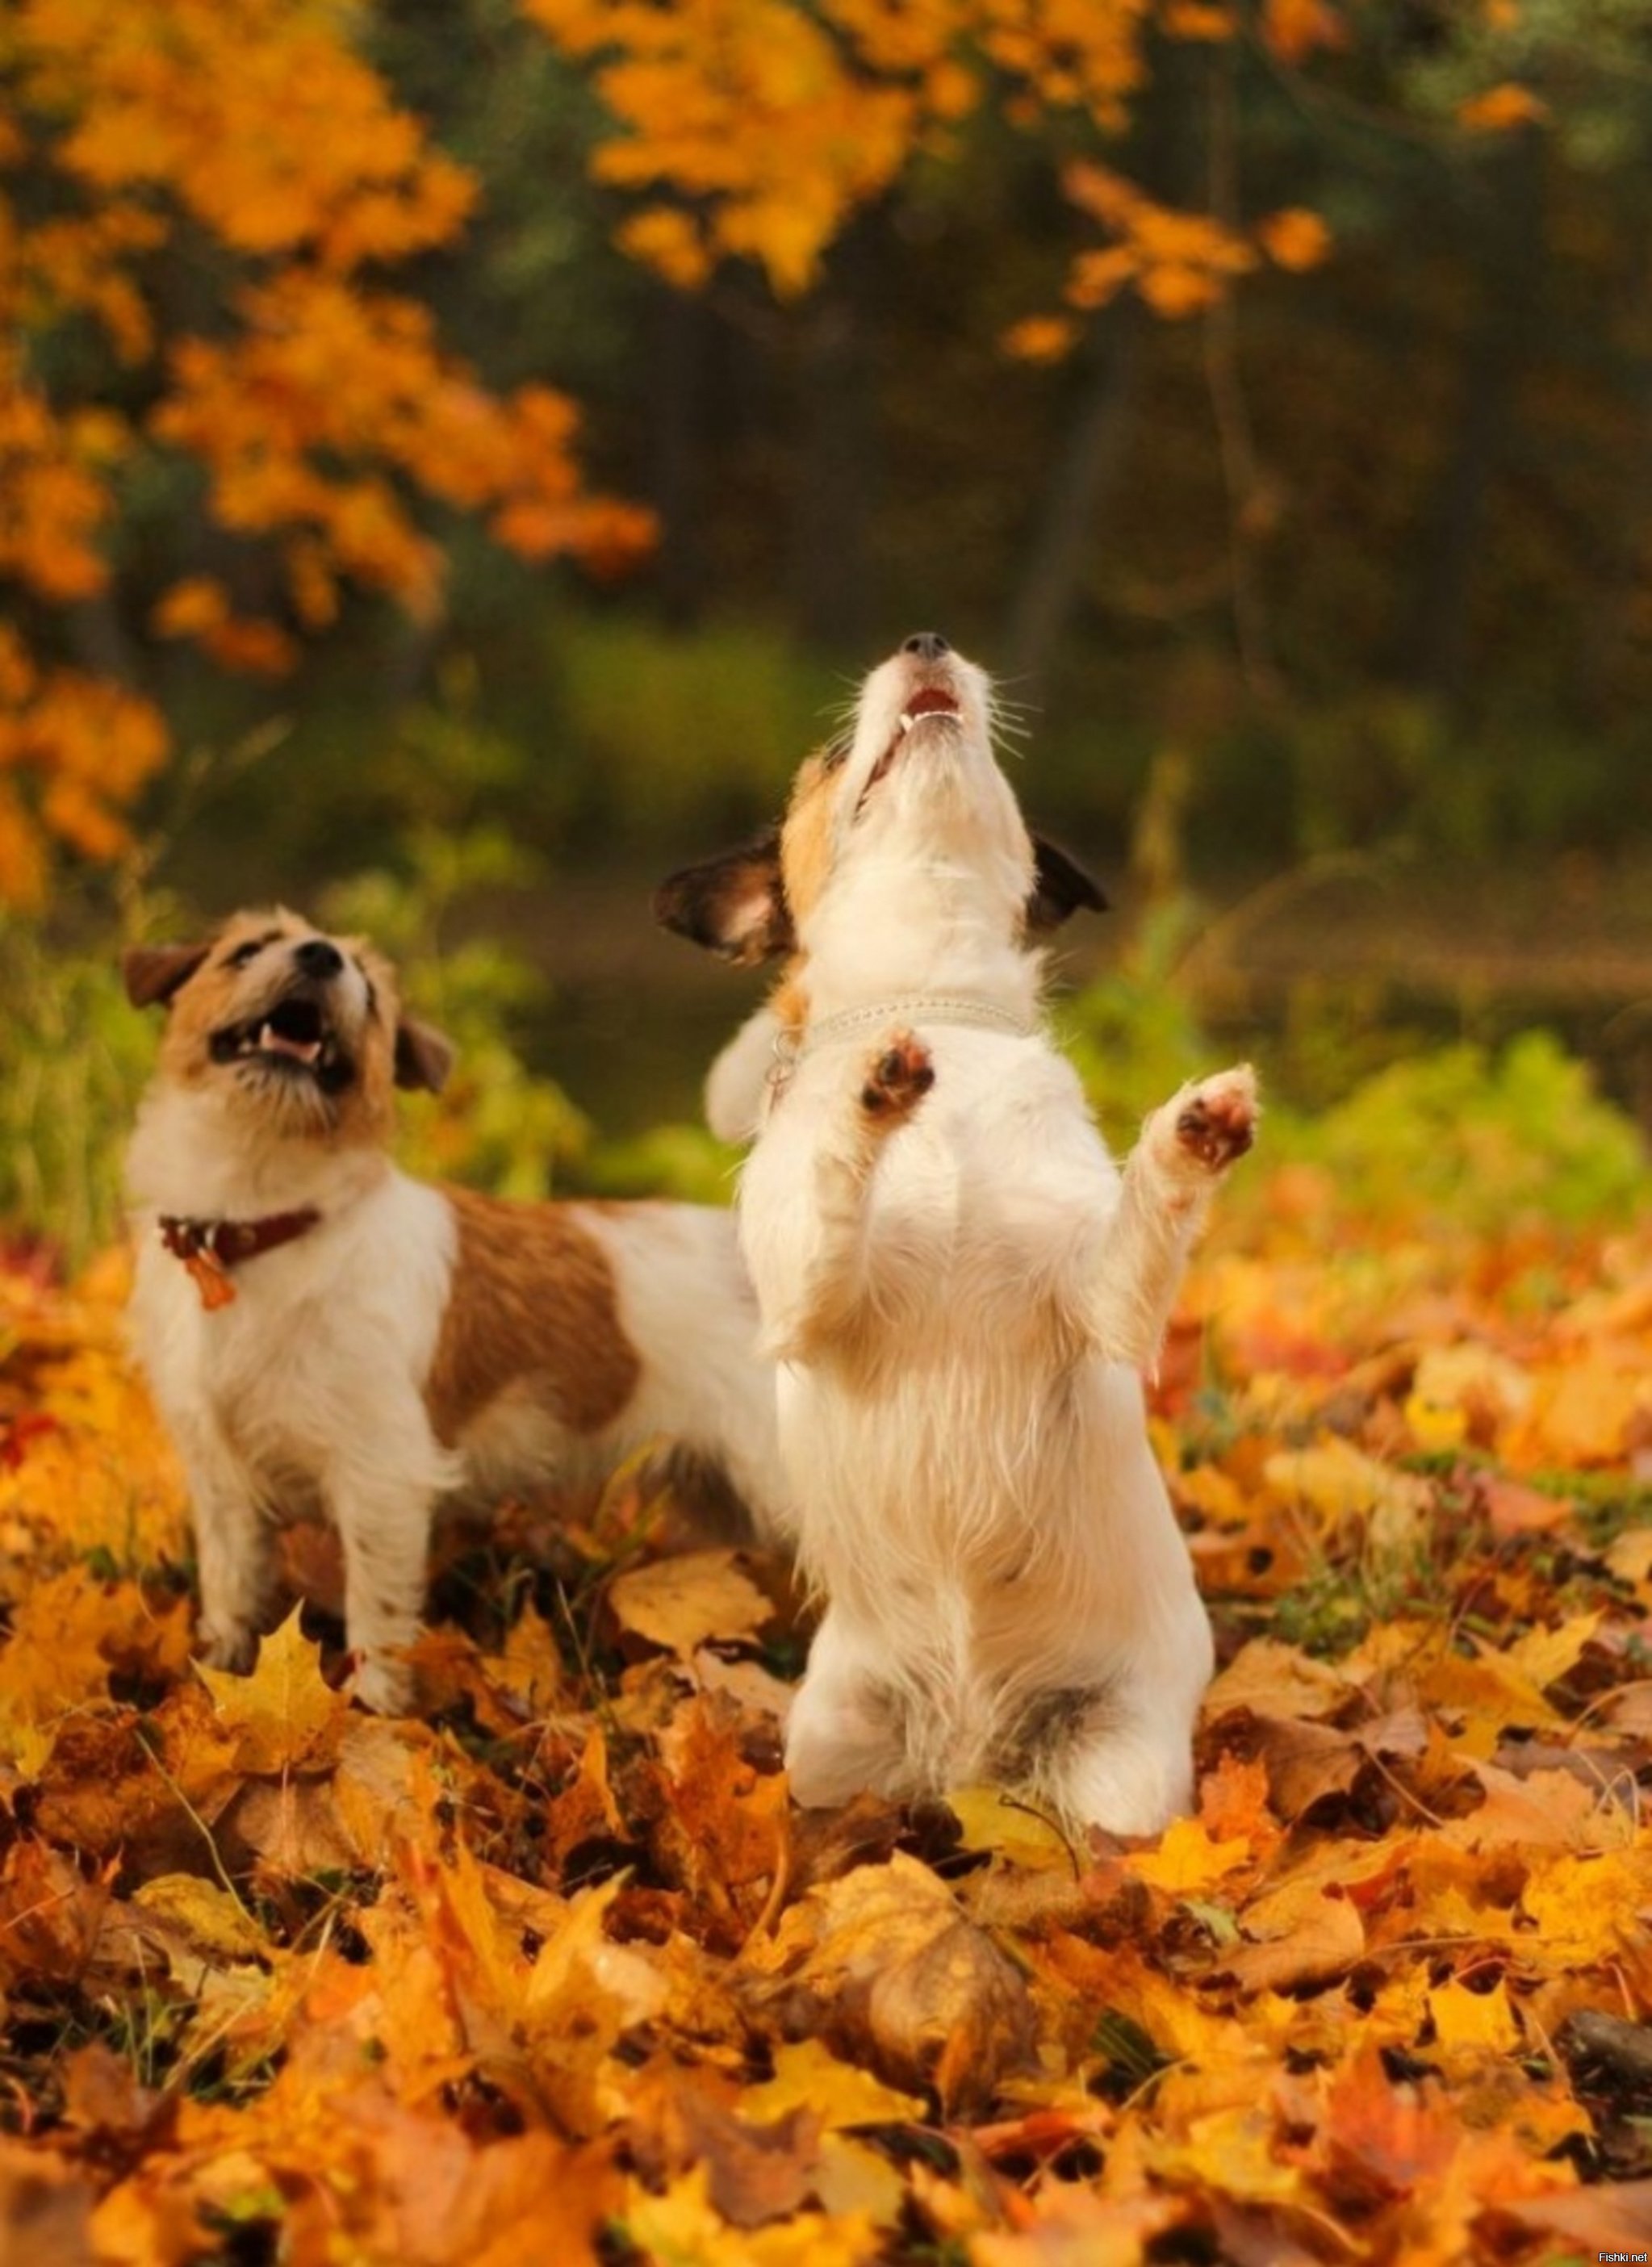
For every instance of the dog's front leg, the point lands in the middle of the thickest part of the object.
(233, 1544)
(824, 1288)
(383, 1516)
(1185, 1147)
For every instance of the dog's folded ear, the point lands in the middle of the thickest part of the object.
(1060, 888)
(424, 1056)
(735, 906)
(153, 972)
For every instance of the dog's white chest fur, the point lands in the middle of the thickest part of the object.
(323, 1347)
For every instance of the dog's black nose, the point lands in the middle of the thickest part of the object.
(928, 645)
(315, 956)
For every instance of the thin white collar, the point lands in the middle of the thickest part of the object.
(790, 1048)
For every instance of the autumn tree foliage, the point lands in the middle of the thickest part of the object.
(226, 406)
(201, 205)
(754, 128)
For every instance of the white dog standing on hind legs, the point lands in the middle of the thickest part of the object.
(958, 1284)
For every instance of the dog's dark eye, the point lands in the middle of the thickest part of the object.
(242, 954)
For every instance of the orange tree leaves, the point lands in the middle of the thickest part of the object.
(251, 143)
(562, 1970)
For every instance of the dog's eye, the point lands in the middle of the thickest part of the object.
(242, 954)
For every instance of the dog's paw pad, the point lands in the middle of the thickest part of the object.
(1216, 1120)
(898, 1077)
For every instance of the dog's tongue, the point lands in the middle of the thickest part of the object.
(931, 702)
(274, 1043)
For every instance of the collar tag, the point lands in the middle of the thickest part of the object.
(210, 1248)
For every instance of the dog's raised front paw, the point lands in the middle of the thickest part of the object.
(898, 1077)
(1215, 1120)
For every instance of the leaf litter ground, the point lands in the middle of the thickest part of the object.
(557, 1973)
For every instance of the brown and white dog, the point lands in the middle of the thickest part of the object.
(959, 1286)
(324, 1333)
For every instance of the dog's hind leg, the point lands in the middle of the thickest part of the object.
(1125, 1762)
(844, 1736)
(1186, 1146)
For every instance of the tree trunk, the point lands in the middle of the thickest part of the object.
(1081, 485)
(1507, 249)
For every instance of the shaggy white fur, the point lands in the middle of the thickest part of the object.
(960, 1290)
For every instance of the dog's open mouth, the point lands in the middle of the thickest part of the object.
(292, 1036)
(930, 702)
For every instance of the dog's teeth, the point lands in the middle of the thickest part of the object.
(907, 723)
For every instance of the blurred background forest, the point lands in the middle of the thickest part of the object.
(454, 457)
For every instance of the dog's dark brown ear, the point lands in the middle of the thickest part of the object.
(735, 906)
(424, 1056)
(1060, 889)
(154, 971)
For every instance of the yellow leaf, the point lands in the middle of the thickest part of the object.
(215, 1923)
(682, 2230)
(1339, 1483)
(1545, 1656)
(283, 1713)
(1482, 2021)
(682, 1603)
(808, 2076)
(1588, 1909)
(994, 1821)
(1187, 1862)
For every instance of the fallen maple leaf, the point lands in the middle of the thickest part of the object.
(283, 1716)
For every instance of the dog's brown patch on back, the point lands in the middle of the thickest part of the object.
(533, 1298)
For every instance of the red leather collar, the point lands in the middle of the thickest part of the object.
(210, 1248)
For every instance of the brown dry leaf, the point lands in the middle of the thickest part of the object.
(758, 2169)
(1277, 1680)
(725, 1829)
(45, 2207)
(883, 1967)
(1305, 1931)
(680, 1604)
